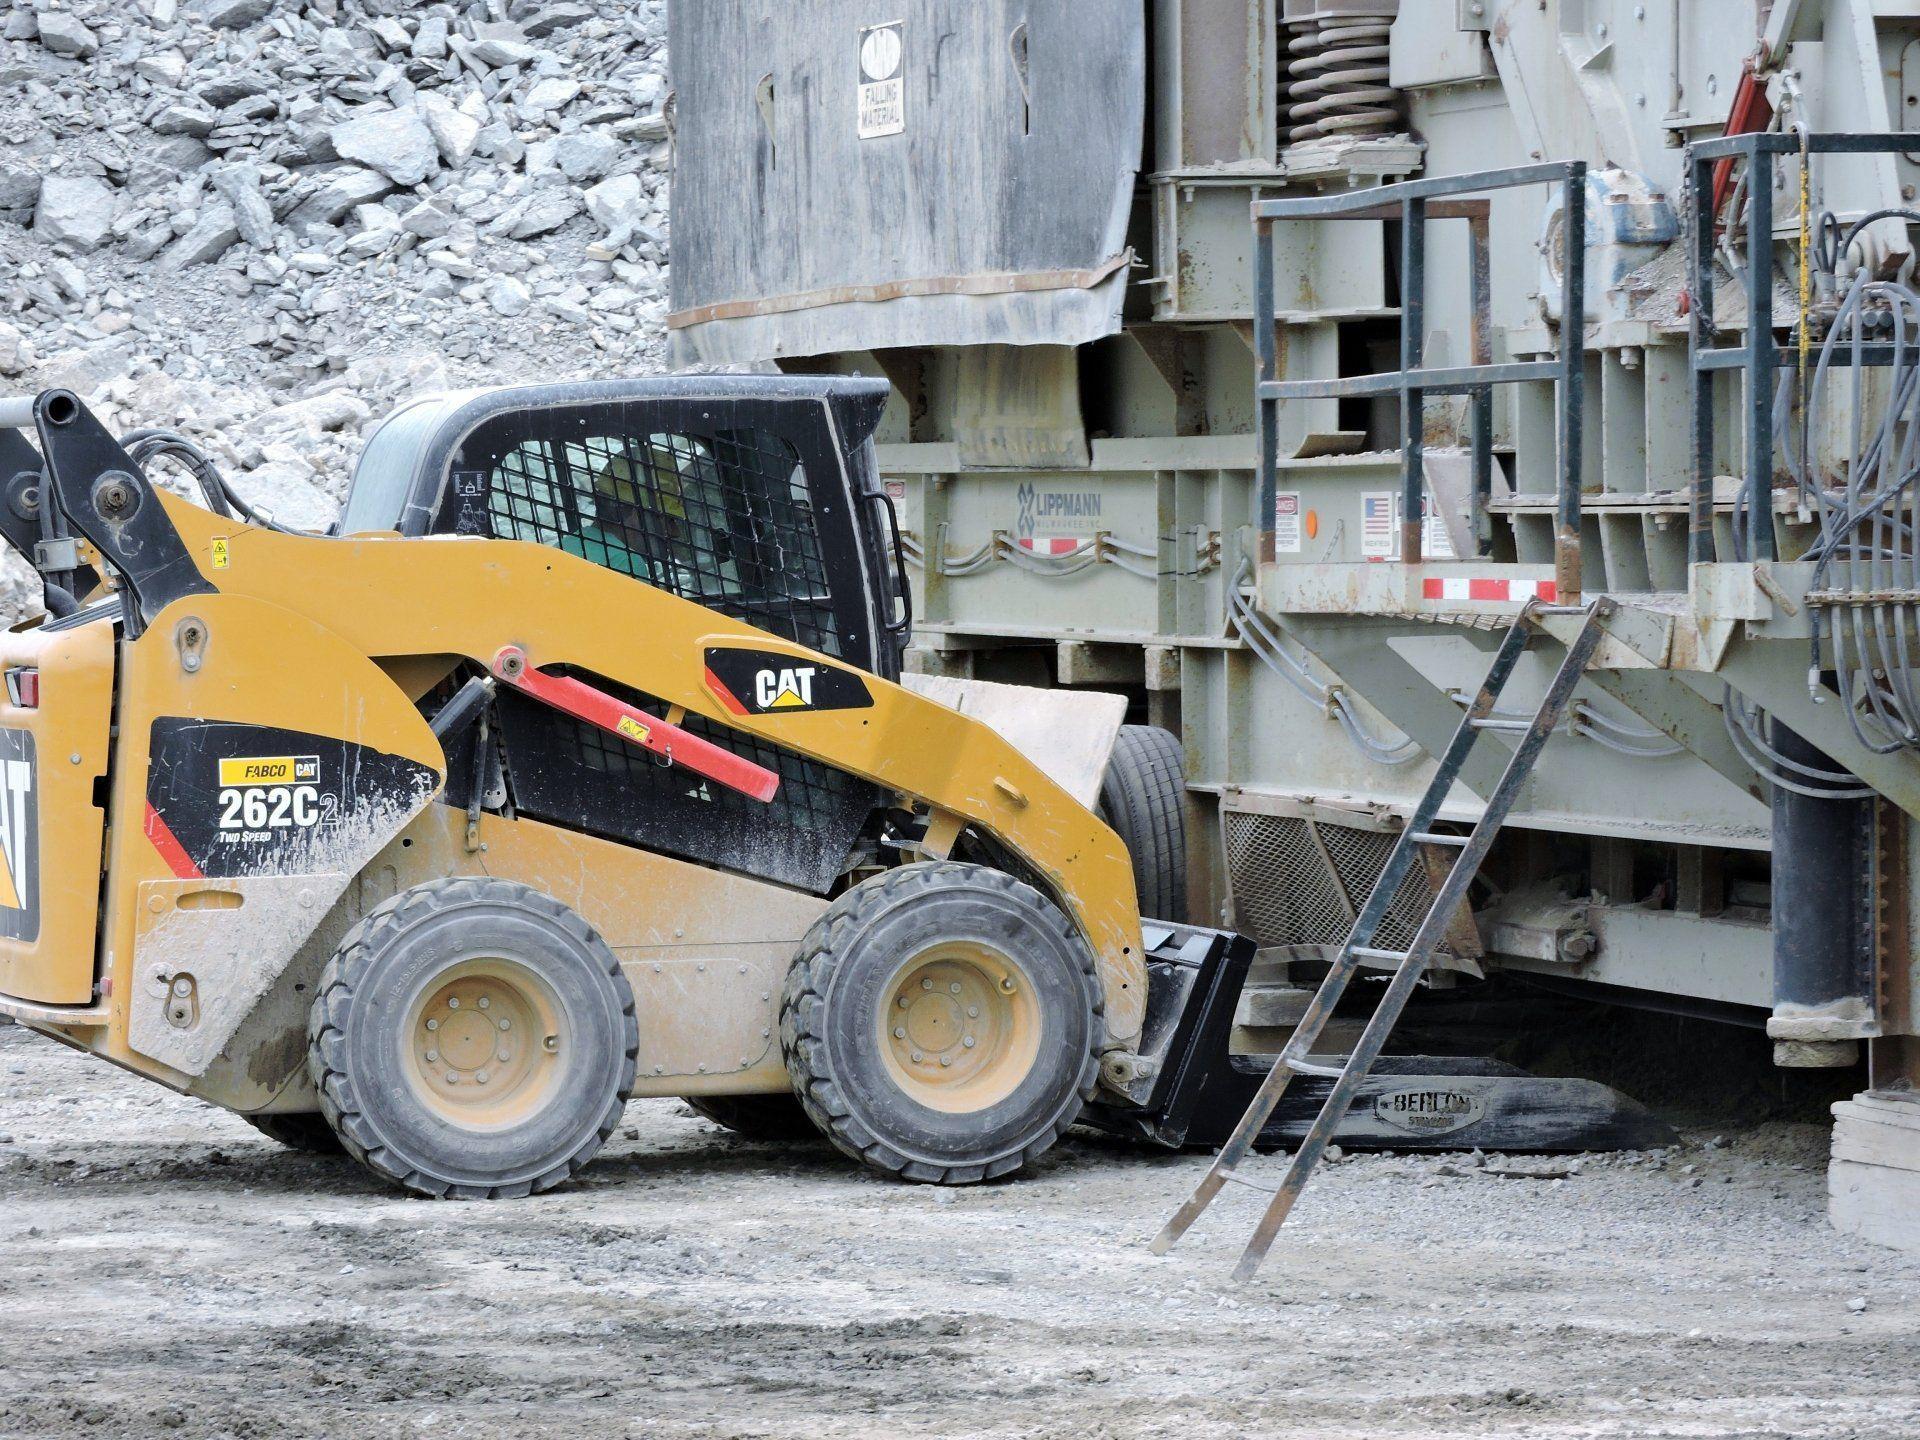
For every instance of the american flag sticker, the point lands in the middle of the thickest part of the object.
(1379, 525)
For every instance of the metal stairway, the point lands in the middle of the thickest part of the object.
(1410, 964)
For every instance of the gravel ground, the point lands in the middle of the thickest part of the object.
(165, 1270)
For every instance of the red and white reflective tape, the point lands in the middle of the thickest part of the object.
(1474, 587)
(1051, 547)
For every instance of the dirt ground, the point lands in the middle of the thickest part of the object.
(164, 1270)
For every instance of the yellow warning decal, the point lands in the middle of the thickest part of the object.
(222, 555)
(270, 770)
(634, 730)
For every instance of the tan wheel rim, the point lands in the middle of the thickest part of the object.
(484, 1044)
(959, 1027)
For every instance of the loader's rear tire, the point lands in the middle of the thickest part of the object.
(1143, 797)
(943, 1023)
(758, 1117)
(473, 1039)
(305, 1131)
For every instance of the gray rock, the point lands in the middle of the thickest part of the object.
(212, 235)
(184, 120)
(555, 92)
(544, 212)
(234, 14)
(77, 210)
(454, 132)
(19, 185)
(586, 154)
(430, 40)
(508, 296)
(397, 143)
(240, 185)
(343, 189)
(497, 46)
(427, 220)
(620, 204)
(557, 17)
(66, 34)
(14, 354)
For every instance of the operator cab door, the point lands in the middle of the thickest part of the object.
(760, 504)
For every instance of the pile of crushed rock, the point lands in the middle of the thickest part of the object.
(265, 222)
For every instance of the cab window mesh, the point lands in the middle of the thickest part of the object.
(723, 519)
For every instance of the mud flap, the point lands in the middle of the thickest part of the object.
(1193, 1090)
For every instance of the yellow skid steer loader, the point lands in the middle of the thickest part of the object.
(574, 767)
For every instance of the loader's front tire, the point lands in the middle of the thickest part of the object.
(943, 1023)
(473, 1039)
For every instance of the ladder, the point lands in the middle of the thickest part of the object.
(1407, 965)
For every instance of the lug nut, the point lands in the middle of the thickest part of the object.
(968, 1042)
(453, 1002)
(918, 1057)
(432, 1055)
(954, 987)
(899, 1032)
(926, 984)
(433, 1024)
(946, 1060)
(481, 1078)
(973, 1012)
(452, 1078)
(484, 1002)
(506, 1024)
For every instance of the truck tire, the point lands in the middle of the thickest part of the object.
(307, 1132)
(472, 1039)
(779, 1118)
(1143, 797)
(943, 1023)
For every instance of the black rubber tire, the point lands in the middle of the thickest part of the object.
(306, 1131)
(1143, 797)
(851, 954)
(365, 993)
(778, 1118)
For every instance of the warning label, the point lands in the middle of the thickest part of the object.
(1286, 523)
(1379, 525)
(883, 85)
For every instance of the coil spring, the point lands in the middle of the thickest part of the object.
(1337, 78)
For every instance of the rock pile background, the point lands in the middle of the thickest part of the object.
(266, 222)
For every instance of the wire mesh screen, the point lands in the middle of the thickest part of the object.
(1285, 892)
(725, 520)
(579, 775)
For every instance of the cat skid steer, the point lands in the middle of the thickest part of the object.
(573, 768)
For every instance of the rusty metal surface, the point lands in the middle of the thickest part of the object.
(990, 216)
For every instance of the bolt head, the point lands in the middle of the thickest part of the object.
(954, 987)
(484, 1003)
(969, 1042)
(453, 1002)
(433, 1024)
(973, 1012)
(453, 1077)
(945, 1060)
(481, 1078)
(506, 1024)
(432, 1055)
(918, 1057)
(926, 984)
(899, 1032)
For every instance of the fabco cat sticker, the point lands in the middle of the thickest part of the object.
(759, 682)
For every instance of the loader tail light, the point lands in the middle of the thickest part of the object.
(23, 687)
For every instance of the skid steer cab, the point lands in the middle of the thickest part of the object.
(574, 767)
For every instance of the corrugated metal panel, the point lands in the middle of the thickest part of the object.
(997, 213)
